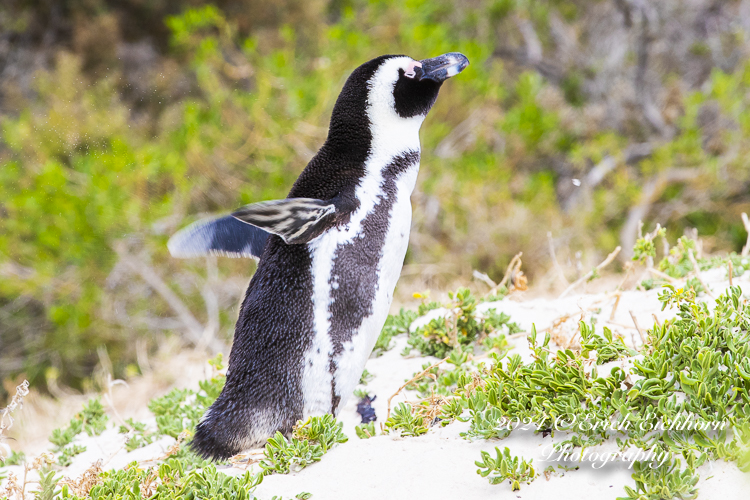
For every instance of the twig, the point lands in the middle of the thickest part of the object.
(614, 323)
(416, 377)
(484, 278)
(746, 223)
(459, 138)
(555, 263)
(247, 459)
(637, 327)
(523, 334)
(432, 409)
(651, 191)
(731, 272)
(589, 274)
(514, 262)
(559, 321)
(614, 307)
(656, 320)
(172, 449)
(665, 244)
(111, 400)
(698, 273)
(578, 330)
(661, 275)
(149, 275)
(513, 267)
(593, 178)
(629, 267)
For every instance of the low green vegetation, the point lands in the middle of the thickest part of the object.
(310, 440)
(14, 458)
(440, 380)
(406, 421)
(365, 431)
(92, 420)
(462, 328)
(687, 400)
(169, 481)
(676, 262)
(366, 377)
(180, 410)
(458, 334)
(664, 481)
(140, 436)
(180, 473)
(683, 357)
(505, 467)
(67, 454)
(604, 346)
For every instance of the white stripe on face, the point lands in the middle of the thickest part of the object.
(391, 134)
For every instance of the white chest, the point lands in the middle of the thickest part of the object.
(365, 257)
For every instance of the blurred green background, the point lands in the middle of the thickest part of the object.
(122, 120)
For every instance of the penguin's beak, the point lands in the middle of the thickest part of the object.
(440, 68)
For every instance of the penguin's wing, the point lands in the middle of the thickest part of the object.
(223, 236)
(296, 220)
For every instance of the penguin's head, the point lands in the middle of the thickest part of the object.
(390, 92)
(410, 87)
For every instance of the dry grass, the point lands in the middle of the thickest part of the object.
(90, 478)
(423, 373)
(16, 488)
(6, 420)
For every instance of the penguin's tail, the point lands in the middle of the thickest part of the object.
(224, 431)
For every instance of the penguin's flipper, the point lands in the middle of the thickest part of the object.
(296, 220)
(223, 236)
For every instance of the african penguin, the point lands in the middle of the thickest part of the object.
(330, 255)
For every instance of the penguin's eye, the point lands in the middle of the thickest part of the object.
(411, 69)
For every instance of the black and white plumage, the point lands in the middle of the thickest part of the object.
(326, 274)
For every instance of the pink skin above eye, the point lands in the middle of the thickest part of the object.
(411, 69)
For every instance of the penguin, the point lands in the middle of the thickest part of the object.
(330, 255)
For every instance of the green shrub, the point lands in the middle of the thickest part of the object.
(310, 440)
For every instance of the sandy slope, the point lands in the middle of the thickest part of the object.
(440, 464)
